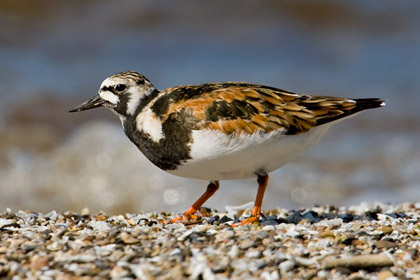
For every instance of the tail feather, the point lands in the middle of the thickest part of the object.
(368, 103)
(361, 104)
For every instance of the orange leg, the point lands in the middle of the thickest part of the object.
(188, 215)
(256, 211)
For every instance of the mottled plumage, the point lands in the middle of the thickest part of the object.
(234, 107)
(220, 131)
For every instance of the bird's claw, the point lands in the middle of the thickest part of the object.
(185, 219)
(247, 221)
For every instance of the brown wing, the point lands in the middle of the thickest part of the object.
(248, 108)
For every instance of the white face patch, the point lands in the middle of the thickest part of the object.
(148, 122)
(109, 96)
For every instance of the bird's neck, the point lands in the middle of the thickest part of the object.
(146, 100)
(166, 153)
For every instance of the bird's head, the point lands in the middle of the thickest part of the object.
(121, 93)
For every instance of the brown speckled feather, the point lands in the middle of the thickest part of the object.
(247, 108)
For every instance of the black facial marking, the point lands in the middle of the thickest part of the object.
(140, 81)
(121, 107)
(105, 88)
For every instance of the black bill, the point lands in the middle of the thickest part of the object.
(94, 102)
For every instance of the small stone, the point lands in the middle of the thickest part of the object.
(286, 266)
(385, 229)
(385, 244)
(332, 222)
(346, 217)
(211, 232)
(100, 226)
(261, 234)
(271, 217)
(85, 258)
(29, 246)
(322, 274)
(371, 215)
(385, 274)
(269, 223)
(225, 219)
(221, 266)
(280, 256)
(246, 244)
(100, 217)
(300, 261)
(85, 211)
(253, 254)
(256, 265)
(82, 269)
(358, 243)
(392, 215)
(118, 272)
(233, 252)
(356, 276)
(413, 252)
(52, 215)
(295, 218)
(266, 242)
(6, 222)
(141, 271)
(312, 216)
(327, 234)
(360, 261)
(268, 228)
(128, 238)
(38, 262)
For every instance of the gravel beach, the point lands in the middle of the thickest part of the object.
(367, 241)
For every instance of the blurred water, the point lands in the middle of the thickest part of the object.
(55, 55)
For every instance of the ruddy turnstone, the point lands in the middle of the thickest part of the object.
(220, 131)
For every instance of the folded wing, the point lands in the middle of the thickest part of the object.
(249, 108)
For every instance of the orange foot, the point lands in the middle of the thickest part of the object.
(188, 217)
(185, 219)
(256, 211)
(248, 221)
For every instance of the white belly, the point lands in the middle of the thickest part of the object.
(218, 157)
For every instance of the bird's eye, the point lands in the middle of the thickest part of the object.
(120, 87)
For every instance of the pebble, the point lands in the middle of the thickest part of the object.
(246, 244)
(385, 244)
(372, 244)
(253, 254)
(128, 238)
(269, 223)
(385, 275)
(286, 266)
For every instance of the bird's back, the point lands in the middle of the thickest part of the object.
(237, 107)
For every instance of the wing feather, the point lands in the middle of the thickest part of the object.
(249, 108)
